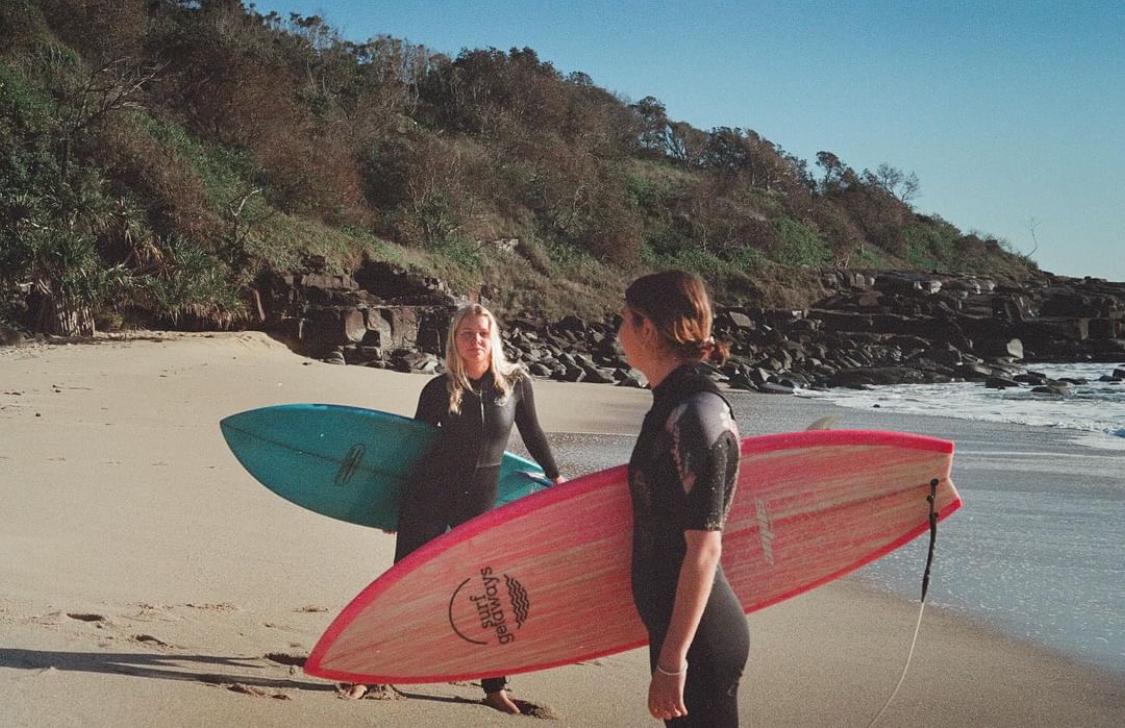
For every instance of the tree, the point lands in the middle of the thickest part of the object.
(746, 155)
(653, 118)
(837, 175)
(686, 143)
(903, 186)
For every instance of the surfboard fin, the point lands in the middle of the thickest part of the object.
(824, 423)
(537, 477)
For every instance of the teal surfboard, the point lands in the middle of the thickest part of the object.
(348, 463)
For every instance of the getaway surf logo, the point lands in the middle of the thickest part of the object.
(489, 608)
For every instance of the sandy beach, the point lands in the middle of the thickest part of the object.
(147, 580)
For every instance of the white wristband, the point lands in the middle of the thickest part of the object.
(662, 671)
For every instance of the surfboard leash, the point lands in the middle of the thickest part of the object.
(932, 500)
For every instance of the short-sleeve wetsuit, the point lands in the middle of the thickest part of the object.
(682, 477)
(458, 479)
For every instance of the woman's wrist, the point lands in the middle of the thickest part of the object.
(672, 673)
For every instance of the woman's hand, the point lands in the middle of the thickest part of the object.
(666, 695)
(558, 481)
(697, 575)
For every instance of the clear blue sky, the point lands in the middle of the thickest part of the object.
(1012, 114)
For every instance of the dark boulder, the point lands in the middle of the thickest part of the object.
(597, 376)
(572, 324)
(1000, 347)
(876, 376)
(974, 371)
(362, 355)
(734, 321)
(394, 283)
(10, 336)
(539, 369)
(569, 373)
(630, 378)
(415, 361)
(1105, 328)
(324, 329)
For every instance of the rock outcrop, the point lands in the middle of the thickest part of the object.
(873, 328)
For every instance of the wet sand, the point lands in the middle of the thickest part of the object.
(148, 580)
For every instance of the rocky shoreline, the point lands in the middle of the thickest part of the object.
(873, 328)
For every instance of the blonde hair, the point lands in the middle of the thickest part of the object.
(504, 372)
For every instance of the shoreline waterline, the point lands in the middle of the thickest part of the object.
(1037, 551)
(1088, 406)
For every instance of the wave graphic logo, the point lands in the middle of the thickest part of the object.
(483, 611)
(521, 602)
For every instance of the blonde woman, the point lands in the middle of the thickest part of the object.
(474, 405)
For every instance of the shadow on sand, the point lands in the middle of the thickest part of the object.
(196, 668)
(192, 668)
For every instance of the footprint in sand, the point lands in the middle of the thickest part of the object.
(150, 640)
(283, 658)
(253, 691)
(86, 617)
(149, 612)
(220, 607)
(535, 710)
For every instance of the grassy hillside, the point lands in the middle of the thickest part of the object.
(156, 157)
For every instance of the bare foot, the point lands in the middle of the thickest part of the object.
(354, 691)
(359, 691)
(499, 700)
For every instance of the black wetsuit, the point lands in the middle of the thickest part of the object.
(682, 476)
(459, 476)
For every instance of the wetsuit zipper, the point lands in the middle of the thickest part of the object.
(482, 427)
(480, 438)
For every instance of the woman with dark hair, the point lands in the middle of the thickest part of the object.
(474, 405)
(682, 477)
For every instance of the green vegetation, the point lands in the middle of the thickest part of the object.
(158, 156)
(799, 246)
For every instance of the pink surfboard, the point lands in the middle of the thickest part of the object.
(545, 581)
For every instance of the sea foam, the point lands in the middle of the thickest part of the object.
(1094, 407)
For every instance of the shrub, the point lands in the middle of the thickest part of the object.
(798, 245)
(192, 285)
(929, 246)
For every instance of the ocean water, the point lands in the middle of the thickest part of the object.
(1095, 407)
(1039, 548)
